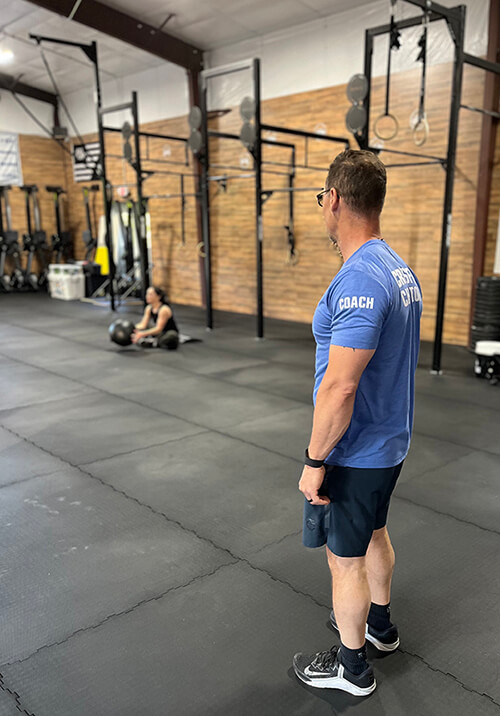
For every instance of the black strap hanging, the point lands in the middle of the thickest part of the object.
(389, 131)
(421, 126)
(292, 256)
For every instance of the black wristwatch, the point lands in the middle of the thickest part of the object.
(312, 463)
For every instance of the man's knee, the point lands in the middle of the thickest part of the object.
(344, 564)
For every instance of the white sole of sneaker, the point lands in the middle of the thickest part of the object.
(373, 640)
(380, 645)
(336, 682)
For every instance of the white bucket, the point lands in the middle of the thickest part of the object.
(66, 282)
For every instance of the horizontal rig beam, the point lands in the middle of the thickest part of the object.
(131, 30)
(10, 83)
(482, 64)
(401, 24)
(303, 133)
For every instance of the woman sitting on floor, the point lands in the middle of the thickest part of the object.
(158, 327)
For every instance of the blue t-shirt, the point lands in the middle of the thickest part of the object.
(373, 302)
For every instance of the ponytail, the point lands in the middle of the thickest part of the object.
(161, 294)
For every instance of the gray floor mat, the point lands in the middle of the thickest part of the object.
(466, 424)
(20, 460)
(467, 488)
(9, 703)
(243, 629)
(467, 389)
(94, 426)
(296, 384)
(242, 502)
(75, 552)
(428, 453)
(221, 644)
(22, 385)
(208, 401)
(286, 433)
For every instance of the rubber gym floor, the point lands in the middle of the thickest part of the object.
(150, 525)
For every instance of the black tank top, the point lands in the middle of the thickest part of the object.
(170, 324)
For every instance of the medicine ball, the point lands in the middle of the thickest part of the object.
(120, 332)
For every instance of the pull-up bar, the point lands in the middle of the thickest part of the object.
(407, 154)
(153, 135)
(480, 110)
(227, 135)
(229, 69)
(413, 164)
(304, 133)
(115, 108)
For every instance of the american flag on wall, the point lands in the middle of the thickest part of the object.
(86, 162)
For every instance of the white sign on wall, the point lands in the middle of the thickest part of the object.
(10, 160)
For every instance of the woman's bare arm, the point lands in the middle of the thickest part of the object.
(144, 322)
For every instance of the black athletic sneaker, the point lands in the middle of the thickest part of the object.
(387, 640)
(325, 671)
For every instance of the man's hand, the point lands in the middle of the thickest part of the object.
(310, 483)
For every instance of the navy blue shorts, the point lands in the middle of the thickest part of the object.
(359, 505)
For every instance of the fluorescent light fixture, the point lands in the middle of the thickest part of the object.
(6, 56)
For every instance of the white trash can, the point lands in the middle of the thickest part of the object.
(66, 281)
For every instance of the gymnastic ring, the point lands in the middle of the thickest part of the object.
(389, 135)
(421, 131)
(199, 248)
(292, 258)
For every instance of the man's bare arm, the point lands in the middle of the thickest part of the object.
(335, 398)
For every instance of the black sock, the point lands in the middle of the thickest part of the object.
(354, 660)
(379, 616)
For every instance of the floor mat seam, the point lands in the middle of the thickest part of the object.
(172, 415)
(191, 530)
(145, 447)
(15, 696)
(238, 559)
(217, 430)
(447, 673)
(178, 368)
(220, 350)
(114, 615)
(473, 448)
(28, 479)
(446, 514)
(278, 541)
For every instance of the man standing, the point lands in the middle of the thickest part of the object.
(367, 331)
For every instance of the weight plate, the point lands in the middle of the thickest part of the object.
(195, 141)
(248, 135)
(356, 119)
(126, 131)
(357, 88)
(127, 151)
(247, 108)
(195, 117)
